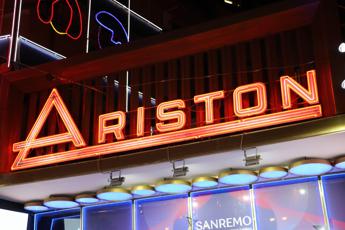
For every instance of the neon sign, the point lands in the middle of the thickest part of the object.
(116, 20)
(171, 123)
(70, 21)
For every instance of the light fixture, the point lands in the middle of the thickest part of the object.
(273, 172)
(229, 2)
(35, 206)
(340, 162)
(86, 198)
(114, 194)
(341, 47)
(182, 170)
(60, 202)
(205, 182)
(143, 190)
(310, 167)
(342, 84)
(237, 177)
(173, 186)
(251, 156)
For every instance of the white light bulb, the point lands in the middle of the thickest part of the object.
(341, 47)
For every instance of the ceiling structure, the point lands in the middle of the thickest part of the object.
(272, 154)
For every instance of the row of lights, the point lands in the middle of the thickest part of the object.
(305, 167)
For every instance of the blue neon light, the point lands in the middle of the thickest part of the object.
(311, 169)
(114, 196)
(109, 29)
(273, 174)
(205, 184)
(61, 204)
(238, 179)
(173, 188)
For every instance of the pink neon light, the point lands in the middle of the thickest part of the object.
(52, 13)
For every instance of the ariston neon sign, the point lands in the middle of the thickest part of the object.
(172, 120)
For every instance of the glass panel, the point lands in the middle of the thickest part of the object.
(334, 189)
(223, 209)
(293, 204)
(57, 26)
(117, 216)
(162, 213)
(58, 220)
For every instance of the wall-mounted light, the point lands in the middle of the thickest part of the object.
(143, 190)
(310, 167)
(35, 206)
(237, 177)
(60, 202)
(273, 172)
(114, 194)
(251, 156)
(86, 198)
(205, 182)
(173, 186)
(181, 170)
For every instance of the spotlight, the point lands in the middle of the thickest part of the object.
(143, 190)
(114, 194)
(60, 202)
(310, 167)
(251, 156)
(179, 171)
(273, 172)
(341, 47)
(342, 84)
(116, 181)
(237, 177)
(86, 198)
(205, 182)
(173, 186)
(340, 162)
(35, 206)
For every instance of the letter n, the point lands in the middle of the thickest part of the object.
(72, 135)
(310, 95)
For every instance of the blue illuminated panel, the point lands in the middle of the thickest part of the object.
(292, 204)
(58, 220)
(222, 209)
(115, 216)
(334, 188)
(162, 213)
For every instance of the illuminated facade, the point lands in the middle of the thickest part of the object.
(122, 116)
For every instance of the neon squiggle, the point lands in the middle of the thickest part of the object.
(109, 29)
(52, 13)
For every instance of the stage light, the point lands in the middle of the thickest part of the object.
(143, 190)
(205, 182)
(229, 2)
(273, 172)
(60, 202)
(310, 167)
(114, 194)
(35, 206)
(173, 186)
(341, 47)
(237, 177)
(340, 162)
(342, 84)
(86, 198)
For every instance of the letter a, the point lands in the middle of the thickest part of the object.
(72, 135)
